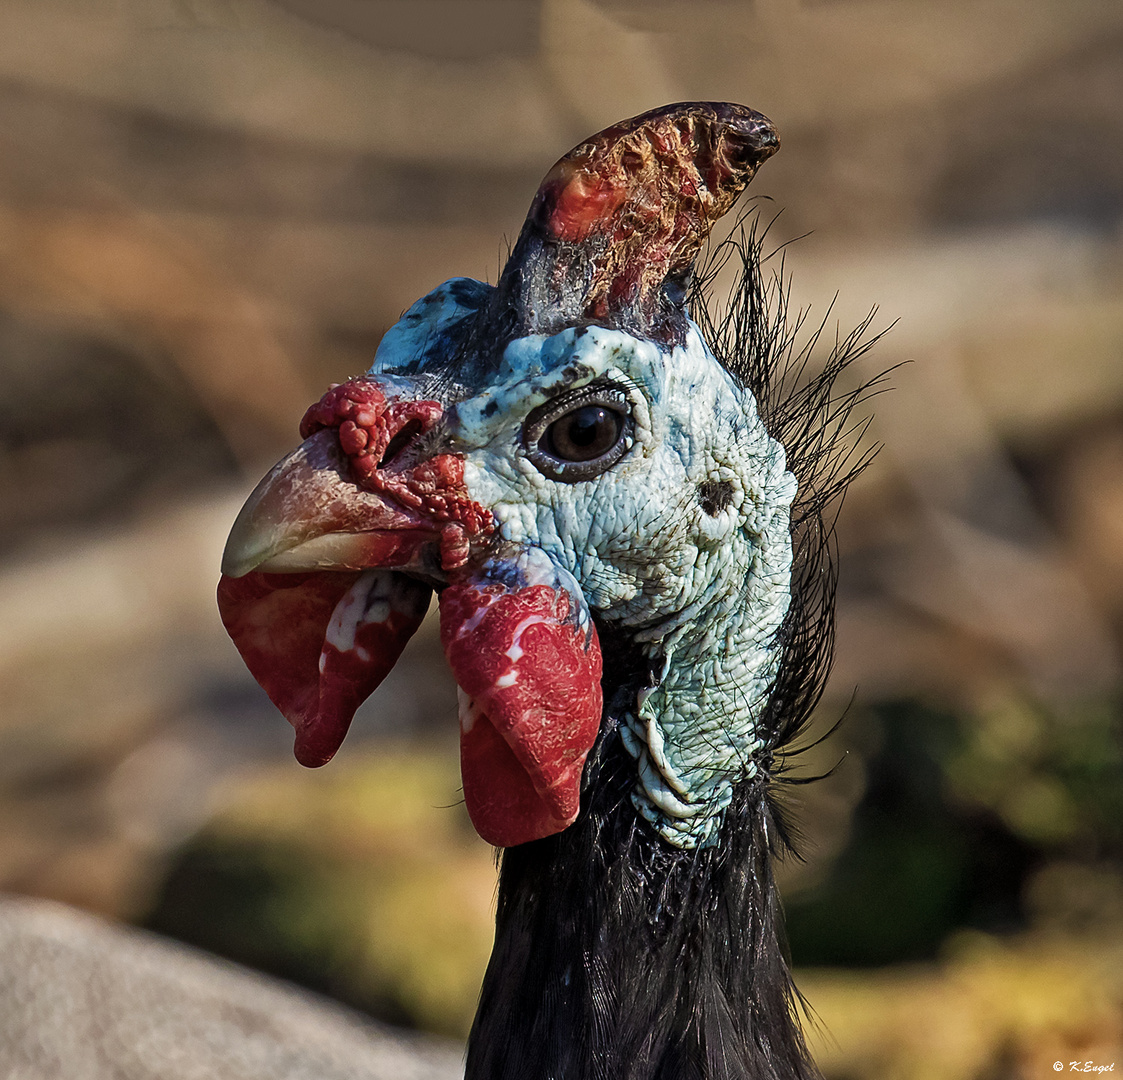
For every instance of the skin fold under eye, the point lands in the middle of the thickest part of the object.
(579, 436)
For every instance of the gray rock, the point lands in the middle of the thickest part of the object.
(82, 999)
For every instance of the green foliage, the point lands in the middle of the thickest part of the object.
(365, 882)
(961, 814)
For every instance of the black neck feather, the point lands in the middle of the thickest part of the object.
(618, 957)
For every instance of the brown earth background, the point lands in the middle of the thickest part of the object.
(211, 209)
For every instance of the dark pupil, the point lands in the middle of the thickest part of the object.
(584, 434)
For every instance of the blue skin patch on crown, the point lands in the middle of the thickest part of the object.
(701, 585)
(433, 331)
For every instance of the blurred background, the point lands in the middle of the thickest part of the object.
(211, 209)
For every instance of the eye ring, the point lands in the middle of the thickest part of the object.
(578, 436)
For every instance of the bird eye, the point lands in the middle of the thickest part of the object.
(584, 434)
(574, 440)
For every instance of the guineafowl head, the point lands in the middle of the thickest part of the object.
(601, 496)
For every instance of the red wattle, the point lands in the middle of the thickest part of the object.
(503, 803)
(320, 643)
(531, 674)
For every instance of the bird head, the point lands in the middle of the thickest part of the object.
(554, 455)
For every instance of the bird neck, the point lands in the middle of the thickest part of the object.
(620, 957)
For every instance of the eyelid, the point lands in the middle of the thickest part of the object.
(609, 394)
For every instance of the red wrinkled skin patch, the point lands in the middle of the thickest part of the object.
(531, 709)
(320, 643)
(583, 202)
(375, 432)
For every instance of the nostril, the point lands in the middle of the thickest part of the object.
(399, 442)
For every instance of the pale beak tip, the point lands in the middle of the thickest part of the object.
(249, 544)
(237, 562)
(233, 567)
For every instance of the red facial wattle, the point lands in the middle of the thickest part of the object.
(529, 669)
(320, 643)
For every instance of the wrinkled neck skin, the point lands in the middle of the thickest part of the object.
(693, 732)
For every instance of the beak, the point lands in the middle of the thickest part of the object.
(307, 514)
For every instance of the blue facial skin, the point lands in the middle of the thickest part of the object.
(700, 584)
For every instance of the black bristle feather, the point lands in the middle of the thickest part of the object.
(617, 956)
(620, 958)
(762, 345)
